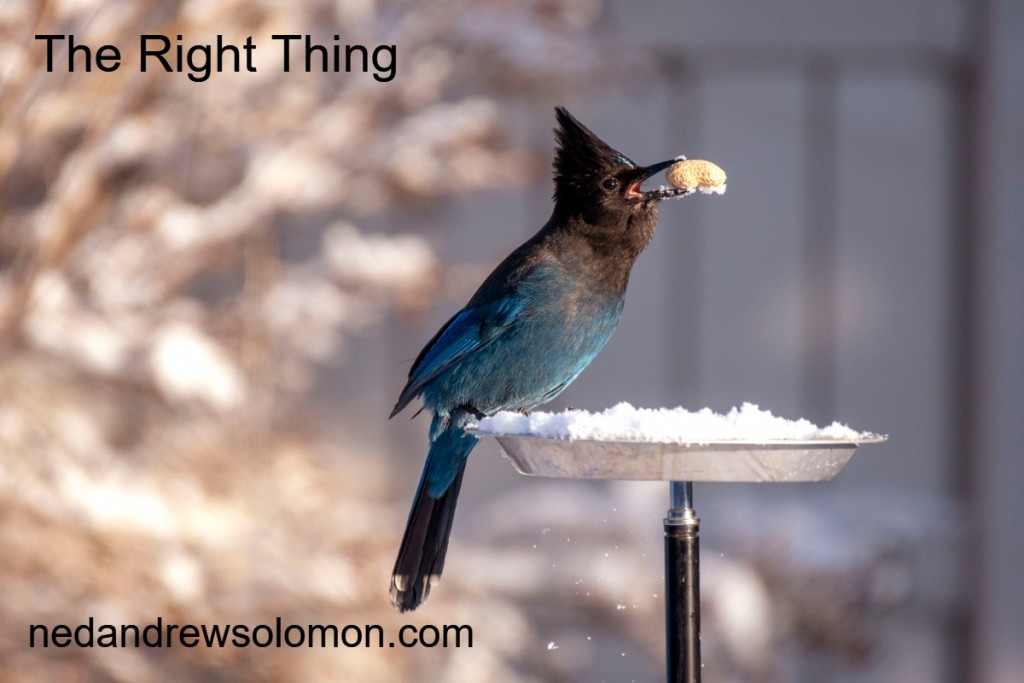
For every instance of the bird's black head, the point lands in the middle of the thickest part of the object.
(598, 193)
(598, 183)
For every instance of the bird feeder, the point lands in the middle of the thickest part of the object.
(681, 464)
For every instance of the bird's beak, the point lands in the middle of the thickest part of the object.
(633, 191)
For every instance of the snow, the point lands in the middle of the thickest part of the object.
(623, 422)
(388, 262)
(187, 364)
(718, 189)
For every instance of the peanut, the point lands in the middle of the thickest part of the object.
(690, 174)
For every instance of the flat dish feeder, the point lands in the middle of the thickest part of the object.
(731, 461)
(681, 464)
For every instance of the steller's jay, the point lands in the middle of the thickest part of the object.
(529, 330)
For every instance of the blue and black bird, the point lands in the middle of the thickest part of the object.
(530, 329)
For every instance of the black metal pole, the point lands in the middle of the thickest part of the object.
(682, 586)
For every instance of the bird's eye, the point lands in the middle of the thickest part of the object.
(610, 183)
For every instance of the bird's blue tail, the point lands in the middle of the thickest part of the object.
(421, 555)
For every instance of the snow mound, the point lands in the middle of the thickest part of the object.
(623, 422)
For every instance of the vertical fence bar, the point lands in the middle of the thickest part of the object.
(820, 237)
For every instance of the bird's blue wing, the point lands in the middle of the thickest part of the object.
(470, 330)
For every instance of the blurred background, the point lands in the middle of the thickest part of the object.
(210, 294)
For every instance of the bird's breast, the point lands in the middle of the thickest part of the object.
(565, 318)
(537, 357)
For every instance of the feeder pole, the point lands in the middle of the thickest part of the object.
(682, 586)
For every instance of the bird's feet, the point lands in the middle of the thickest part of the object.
(523, 411)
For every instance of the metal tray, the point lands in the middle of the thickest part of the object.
(736, 461)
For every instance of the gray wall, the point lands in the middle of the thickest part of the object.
(865, 265)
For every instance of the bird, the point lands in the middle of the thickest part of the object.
(530, 329)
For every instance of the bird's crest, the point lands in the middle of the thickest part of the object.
(580, 153)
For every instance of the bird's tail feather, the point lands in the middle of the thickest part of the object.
(425, 542)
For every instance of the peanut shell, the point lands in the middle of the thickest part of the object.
(690, 174)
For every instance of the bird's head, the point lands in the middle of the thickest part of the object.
(598, 182)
